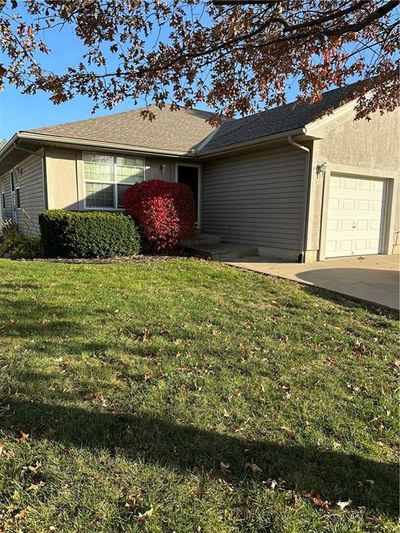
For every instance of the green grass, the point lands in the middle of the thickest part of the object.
(188, 396)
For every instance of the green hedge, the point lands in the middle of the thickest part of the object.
(87, 234)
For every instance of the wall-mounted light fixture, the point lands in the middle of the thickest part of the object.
(163, 169)
(321, 169)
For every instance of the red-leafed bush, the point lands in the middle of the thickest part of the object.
(164, 211)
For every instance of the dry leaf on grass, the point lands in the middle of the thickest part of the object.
(225, 467)
(343, 505)
(143, 516)
(317, 500)
(289, 431)
(24, 437)
(254, 469)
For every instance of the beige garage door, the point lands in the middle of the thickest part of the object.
(355, 216)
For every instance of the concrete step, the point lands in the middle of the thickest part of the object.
(203, 238)
(222, 251)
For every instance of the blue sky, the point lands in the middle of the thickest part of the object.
(23, 112)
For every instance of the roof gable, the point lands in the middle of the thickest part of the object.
(176, 131)
(290, 117)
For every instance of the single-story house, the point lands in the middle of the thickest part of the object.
(299, 182)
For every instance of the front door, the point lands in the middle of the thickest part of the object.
(190, 176)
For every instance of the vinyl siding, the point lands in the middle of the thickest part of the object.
(256, 198)
(5, 186)
(32, 193)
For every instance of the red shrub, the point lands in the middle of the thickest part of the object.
(164, 211)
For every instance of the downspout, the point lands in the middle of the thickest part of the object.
(306, 202)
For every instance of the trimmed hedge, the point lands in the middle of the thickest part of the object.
(87, 234)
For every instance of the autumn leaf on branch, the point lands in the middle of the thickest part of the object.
(235, 57)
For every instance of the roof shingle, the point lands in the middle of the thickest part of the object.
(185, 131)
(276, 120)
(175, 131)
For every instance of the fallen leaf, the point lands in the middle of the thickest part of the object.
(289, 431)
(255, 469)
(317, 500)
(5, 453)
(21, 514)
(343, 505)
(48, 433)
(225, 467)
(275, 483)
(147, 514)
(23, 437)
(35, 467)
(33, 487)
(132, 500)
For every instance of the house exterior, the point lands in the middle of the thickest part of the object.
(301, 182)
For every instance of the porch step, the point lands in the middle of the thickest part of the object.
(222, 251)
(202, 238)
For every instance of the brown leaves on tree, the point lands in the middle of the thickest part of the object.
(236, 59)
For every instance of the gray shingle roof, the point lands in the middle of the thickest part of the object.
(184, 131)
(277, 120)
(175, 131)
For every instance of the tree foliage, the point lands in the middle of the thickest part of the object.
(234, 56)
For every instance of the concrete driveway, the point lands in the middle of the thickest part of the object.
(374, 279)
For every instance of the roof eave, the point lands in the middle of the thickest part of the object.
(254, 143)
(8, 146)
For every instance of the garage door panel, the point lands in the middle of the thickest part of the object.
(355, 212)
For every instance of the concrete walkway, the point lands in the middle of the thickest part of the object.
(374, 279)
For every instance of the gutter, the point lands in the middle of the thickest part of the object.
(306, 203)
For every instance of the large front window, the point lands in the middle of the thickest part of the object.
(107, 177)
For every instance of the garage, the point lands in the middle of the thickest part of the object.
(355, 216)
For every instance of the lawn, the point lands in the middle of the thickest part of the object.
(188, 396)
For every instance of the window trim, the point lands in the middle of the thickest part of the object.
(16, 175)
(114, 183)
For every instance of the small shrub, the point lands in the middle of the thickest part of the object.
(18, 246)
(165, 212)
(87, 234)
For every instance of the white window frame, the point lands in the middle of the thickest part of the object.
(114, 183)
(15, 177)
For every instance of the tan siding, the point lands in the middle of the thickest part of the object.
(32, 194)
(256, 198)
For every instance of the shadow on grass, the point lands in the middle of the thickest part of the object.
(334, 475)
(28, 319)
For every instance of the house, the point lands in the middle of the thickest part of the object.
(301, 182)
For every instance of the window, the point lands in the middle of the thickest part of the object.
(16, 174)
(3, 199)
(107, 177)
